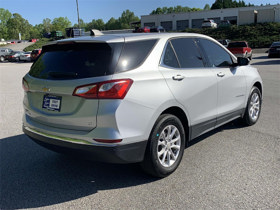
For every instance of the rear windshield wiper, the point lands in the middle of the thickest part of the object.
(56, 74)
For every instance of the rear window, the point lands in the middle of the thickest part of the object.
(76, 61)
(275, 44)
(84, 60)
(237, 44)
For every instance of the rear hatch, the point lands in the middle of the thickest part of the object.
(57, 72)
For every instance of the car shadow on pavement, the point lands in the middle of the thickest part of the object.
(269, 61)
(259, 57)
(229, 126)
(31, 176)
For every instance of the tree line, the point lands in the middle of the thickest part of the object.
(218, 4)
(13, 24)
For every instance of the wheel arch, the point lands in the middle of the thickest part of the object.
(259, 86)
(178, 112)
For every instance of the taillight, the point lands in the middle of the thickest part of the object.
(112, 89)
(25, 85)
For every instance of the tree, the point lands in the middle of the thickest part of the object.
(177, 9)
(47, 25)
(95, 24)
(82, 24)
(219, 4)
(126, 18)
(17, 24)
(112, 24)
(5, 15)
(60, 24)
(207, 7)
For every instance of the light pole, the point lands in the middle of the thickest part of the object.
(78, 13)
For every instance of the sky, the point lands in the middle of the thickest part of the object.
(36, 10)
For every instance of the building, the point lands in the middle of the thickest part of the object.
(239, 16)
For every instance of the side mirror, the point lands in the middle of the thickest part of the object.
(242, 61)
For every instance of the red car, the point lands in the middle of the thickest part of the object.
(35, 54)
(240, 49)
(145, 29)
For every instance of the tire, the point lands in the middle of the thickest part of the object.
(253, 109)
(2, 58)
(162, 156)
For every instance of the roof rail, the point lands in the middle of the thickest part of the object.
(95, 32)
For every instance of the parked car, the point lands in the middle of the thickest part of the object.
(25, 56)
(4, 52)
(224, 42)
(145, 29)
(14, 56)
(209, 24)
(240, 49)
(127, 98)
(224, 24)
(158, 29)
(33, 40)
(274, 50)
(35, 53)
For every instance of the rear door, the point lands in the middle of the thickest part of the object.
(193, 85)
(231, 81)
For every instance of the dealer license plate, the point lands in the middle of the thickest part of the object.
(52, 103)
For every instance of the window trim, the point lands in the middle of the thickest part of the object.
(208, 63)
(200, 51)
(163, 54)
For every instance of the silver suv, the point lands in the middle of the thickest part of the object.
(136, 97)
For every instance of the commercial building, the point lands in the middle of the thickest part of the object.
(239, 16)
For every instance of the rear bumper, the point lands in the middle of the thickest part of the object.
(274, 53)
(128, 153)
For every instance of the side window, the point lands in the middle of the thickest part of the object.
(134, 54)
(187, 52)
(170, 58)
(216, 55)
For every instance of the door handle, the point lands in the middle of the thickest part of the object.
(178, 77)
(220, 74)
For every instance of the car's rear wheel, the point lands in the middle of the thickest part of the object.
(253, 108)
(165, 147)
(2, 59)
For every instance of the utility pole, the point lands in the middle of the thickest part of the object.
(78, 13)
(78, 17)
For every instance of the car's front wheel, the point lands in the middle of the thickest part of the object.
(165, 146)
(253, 109)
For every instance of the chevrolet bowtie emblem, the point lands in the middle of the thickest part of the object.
(45, 89)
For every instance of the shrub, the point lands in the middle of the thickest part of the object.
(257, 35)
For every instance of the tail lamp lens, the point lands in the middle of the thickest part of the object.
(25, 85)
(113, 89)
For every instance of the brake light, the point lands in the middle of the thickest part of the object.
(25, 85)
(112, 89)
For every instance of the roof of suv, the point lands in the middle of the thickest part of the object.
(109, 38)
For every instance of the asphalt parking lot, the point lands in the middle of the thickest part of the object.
(232, 167)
